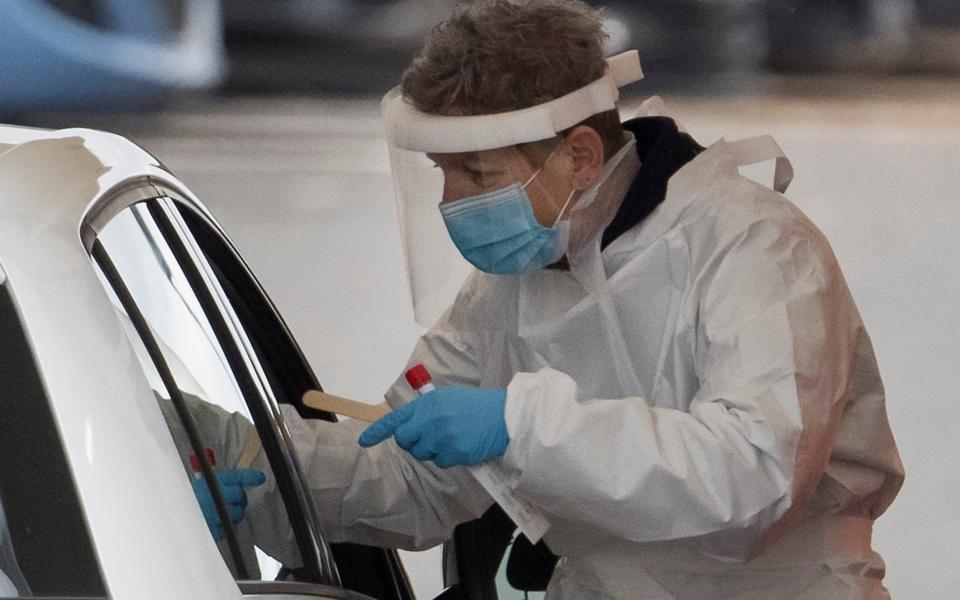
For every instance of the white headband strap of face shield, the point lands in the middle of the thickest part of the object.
(411, 129)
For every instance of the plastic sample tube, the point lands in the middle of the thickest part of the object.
(195, 462)
(419, 379)
(530, 520)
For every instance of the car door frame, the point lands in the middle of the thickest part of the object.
(166, 201)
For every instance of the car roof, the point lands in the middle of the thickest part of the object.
(11, 135)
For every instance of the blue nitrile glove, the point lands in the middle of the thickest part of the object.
(232, 483)
(450, 426)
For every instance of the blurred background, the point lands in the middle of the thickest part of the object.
(137, 54)
(268, 111)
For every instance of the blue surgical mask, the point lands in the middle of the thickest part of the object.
(498, 233)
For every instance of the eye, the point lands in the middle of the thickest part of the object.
(481, 177)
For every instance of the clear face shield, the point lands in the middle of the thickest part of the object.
(469, 194)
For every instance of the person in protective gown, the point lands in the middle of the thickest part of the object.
(657, 354)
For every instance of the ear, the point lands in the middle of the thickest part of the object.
(586, 148)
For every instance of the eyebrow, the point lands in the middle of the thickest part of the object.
(475, 163)
(452, 157)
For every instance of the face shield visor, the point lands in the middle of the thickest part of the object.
(468, 193)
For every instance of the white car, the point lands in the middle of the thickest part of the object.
(120, 295)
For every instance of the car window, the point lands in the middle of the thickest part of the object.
(184, 334)
(45, 548)
(376, 572)
(233, 362)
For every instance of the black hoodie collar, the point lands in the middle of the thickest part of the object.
(663, 150)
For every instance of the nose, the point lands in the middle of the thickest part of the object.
(450, 194)
(447, 196)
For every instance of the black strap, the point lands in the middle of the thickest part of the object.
(480, 547)
(530, 566)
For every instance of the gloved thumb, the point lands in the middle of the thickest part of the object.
(244, 477)
(387, 424)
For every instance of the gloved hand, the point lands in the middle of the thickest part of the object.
(450, 426)
(232, 483)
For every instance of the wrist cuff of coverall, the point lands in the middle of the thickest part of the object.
(535, 402)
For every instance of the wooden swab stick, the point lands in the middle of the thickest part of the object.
(321, 401)
(344, 407)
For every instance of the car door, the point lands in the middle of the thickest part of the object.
(221, 361)
(46, 550)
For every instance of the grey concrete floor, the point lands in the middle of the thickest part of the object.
(303, 187)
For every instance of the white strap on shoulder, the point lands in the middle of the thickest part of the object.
(760, 149)
(653, 106)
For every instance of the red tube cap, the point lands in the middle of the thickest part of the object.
(418, 376)
(195, 462)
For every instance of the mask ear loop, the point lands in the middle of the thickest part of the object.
(540, 168)
(534, 176)
(564, 207)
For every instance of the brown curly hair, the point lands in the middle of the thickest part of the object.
(493, 56)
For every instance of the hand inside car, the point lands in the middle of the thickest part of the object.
(232, 484)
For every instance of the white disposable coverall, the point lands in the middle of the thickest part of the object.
(749, 458)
